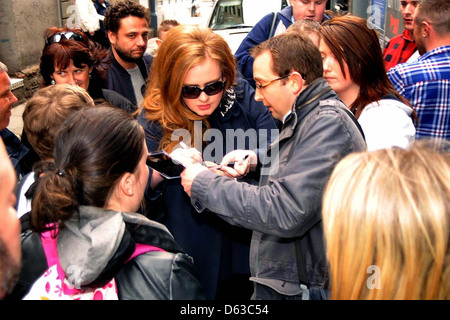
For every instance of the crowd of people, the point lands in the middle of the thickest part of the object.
(315, 163)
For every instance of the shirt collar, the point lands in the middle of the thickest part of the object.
(405, 35)
(286, 116)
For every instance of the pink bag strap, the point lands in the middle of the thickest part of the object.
(49, 243)
(50, 249)
(143, 248)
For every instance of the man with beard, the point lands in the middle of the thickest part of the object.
(10, 253)
(401, 47)
(127, 26)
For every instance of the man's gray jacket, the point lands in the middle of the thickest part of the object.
(286, 205)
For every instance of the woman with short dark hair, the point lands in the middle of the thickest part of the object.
(70, 57)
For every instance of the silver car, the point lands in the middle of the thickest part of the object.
(233, 19)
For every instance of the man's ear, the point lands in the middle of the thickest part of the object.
(426, 28)
(296, 82)
(112, 37)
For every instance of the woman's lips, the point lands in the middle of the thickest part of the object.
(204, 107)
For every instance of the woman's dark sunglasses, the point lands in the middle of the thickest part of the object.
(193, 92)
(69, 35)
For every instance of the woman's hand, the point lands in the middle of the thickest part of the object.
(186, 156)
(244, 161)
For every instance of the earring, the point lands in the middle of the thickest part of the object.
(90, 76)
(53, 81)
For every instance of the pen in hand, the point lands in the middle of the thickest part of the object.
(184, 146)
(230, 164)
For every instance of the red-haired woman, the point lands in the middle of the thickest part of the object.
(194, 91)
(70, 57)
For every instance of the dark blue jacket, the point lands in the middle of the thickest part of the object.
(119, 79)
(17, 152)
(219, 250)
(259, 33)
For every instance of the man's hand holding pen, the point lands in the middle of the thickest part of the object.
(235, 164)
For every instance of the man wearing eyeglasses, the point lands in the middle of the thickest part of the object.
(127, 26)
(287, 255)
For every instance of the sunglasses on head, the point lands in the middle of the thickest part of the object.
(193, 92)
(69, 35)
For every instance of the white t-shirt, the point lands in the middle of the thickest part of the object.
(138, 81)
(414, 57)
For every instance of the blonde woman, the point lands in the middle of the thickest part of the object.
(386, 223)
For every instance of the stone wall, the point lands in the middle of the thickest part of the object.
(22, 26)
(31, 79)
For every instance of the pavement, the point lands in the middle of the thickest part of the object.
(16, 122)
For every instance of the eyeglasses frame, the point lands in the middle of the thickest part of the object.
(74, 36)
(262, 86)
(203, 90)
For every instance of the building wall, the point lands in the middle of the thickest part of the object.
(22, 25)
(23, 22)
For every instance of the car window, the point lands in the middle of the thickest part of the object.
(242, 13)
(227, 14)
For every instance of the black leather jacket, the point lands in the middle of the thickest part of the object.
(155, 275)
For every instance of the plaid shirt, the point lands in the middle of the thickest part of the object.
(398, 50)
(426, 84)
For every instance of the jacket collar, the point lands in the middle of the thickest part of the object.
(287, 13)
(318, 89)
(96, 242)
(444, 50)
(141, 64)
(226, 109)
(89, 241)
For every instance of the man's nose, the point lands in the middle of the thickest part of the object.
(258, 95)
(12, 98)
(141, 41)
(409, 9)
